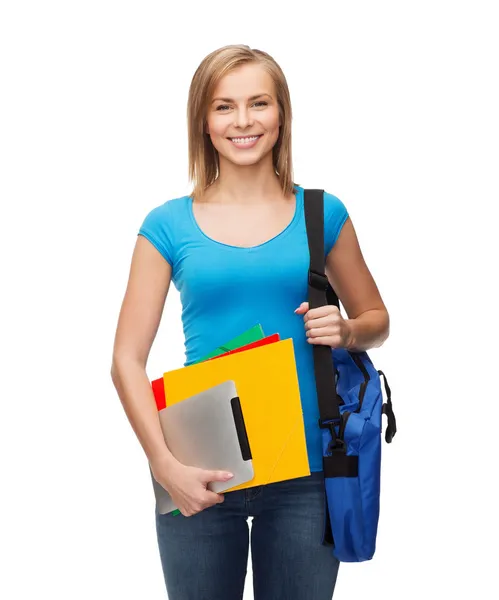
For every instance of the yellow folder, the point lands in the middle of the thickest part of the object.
(267, 384)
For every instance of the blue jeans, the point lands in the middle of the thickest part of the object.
(204, 557)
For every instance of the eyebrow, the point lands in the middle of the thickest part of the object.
(231, 100)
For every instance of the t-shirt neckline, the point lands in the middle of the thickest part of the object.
(281, 234)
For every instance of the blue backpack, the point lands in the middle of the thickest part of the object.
(351, 404)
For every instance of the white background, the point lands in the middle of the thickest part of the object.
(395, 112)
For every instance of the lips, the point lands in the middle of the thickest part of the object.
(245, 137)
(245, 142)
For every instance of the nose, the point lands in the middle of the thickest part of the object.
(243, 118)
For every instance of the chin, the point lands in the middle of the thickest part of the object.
(248, 159)
(246, 163)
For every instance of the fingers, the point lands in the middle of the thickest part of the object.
(209, 500)
(316, 313)
(329, 331)
(320, 322)
(214, 498)
(207, 476)
(332, 341)
(322, 311)
(193, 495)
(302, 309)
(323, 325)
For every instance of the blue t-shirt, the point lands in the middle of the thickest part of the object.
(225, 289)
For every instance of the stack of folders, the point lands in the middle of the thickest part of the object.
(239, 410)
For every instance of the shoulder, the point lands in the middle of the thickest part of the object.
(167, 210)
(335, 215)
(333, 206)
(160, 224)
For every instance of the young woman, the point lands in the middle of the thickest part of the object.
(237, 251)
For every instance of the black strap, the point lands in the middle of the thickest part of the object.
(321, 293)
(318, 289)
(387, 409)
(341, 465)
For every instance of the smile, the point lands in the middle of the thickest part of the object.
(243, 142)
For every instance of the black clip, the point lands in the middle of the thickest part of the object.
(318, 281)
(336, 444)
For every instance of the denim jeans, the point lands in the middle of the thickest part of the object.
(205, 557)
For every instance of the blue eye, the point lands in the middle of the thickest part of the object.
(223, 106)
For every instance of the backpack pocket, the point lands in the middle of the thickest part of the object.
(352, 485)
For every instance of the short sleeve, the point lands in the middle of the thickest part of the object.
(157, 227)
(335, 215)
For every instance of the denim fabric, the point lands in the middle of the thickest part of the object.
(205, 557)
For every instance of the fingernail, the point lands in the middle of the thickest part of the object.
(229, 475)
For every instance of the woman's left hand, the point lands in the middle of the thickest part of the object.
(325, 326)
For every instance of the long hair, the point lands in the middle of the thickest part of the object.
(204, 166)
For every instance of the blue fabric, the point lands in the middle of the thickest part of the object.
(205, 556)
(225, 290)
(353, 502)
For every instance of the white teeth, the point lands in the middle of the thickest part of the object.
(245, 140)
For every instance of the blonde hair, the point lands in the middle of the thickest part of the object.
(203, 157)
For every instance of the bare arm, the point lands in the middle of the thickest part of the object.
(140, 315)
(139, 319)
(368, 318)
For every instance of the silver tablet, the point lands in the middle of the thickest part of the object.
(207, 431)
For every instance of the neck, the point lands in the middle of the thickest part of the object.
(241, 184)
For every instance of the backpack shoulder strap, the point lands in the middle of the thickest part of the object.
(318, 286)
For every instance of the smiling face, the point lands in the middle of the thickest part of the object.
(243, 117)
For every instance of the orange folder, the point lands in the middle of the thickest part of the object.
(267, 383)
(158, 386)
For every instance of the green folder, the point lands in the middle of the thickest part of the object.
(251, 335)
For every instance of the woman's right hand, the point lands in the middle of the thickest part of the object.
(187, 485)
